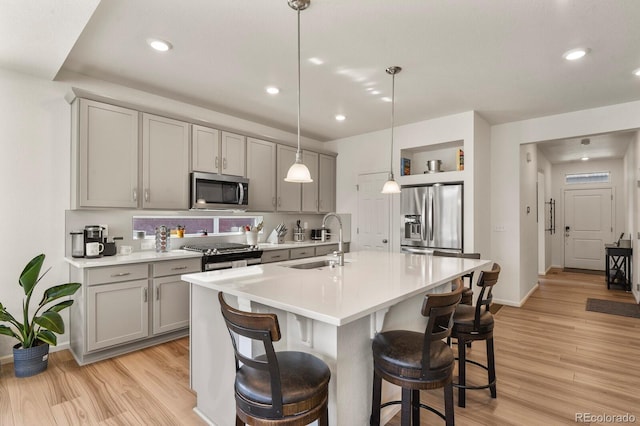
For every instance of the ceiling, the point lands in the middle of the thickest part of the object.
(598, 147)
(501, 58)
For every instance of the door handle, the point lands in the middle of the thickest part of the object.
(216, 166)
(224, 163)
(385, 241)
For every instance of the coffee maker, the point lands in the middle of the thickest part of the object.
(93, 234)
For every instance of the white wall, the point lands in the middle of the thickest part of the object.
(544, 167)
(528, 224)
(615, 166)
(635, 177)
(505, 186)
(34, 183)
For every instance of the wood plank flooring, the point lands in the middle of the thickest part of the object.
(554, 359)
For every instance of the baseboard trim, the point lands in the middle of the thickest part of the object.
(516, 304)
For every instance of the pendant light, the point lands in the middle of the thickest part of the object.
(298, 172)
(391, 186)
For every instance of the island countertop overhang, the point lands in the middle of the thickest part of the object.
(368, 282)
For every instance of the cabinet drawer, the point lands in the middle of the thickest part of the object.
(177, 267)
(113, 274)
(275, 256)
(322, 250)
(299, 253)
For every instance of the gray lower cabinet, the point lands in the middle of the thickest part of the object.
(302, 252)
(127, 307)
(275, 256)
(326, 249)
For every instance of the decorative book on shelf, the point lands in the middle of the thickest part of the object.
(459, 159)
(405, 167)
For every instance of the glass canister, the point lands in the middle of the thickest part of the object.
(162, 239)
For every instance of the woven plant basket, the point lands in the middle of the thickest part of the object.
(30, 361)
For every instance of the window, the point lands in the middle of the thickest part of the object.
(195, 225)
(596, 177)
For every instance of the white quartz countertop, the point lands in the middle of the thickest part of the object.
(136, 257)
(369, 281)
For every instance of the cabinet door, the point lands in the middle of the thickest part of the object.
(327, 183)
(289, 194)
(261, 171)
(205, 149)
(107, 155)
(310, 190)
(233, 154)
(170, 304)
(165, 154)
(117, 313)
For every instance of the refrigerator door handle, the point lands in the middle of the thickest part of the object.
(423, 213)
(431, 209)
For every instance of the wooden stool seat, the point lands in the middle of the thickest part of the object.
(417, 361)
(274, 388)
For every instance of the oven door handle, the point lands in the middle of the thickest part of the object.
(241, 193)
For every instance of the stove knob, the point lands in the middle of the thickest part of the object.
(215, 251)
(208, 252)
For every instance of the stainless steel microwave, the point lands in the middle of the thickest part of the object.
(210, 191)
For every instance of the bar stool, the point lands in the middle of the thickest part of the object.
(276, 388)
(416, 361)
(476, 323)
(467, 292)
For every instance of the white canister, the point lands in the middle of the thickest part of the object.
(252, 238)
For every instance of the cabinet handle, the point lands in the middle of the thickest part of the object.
(276, 257)
(178, 268)
(273, 201)
(279, 201)
(217, 161)
(146, 194)
(135, 195)
(157, 293)
(224, 163)
(145, 295)
(121, 274)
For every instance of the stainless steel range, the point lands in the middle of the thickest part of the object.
(226, 255)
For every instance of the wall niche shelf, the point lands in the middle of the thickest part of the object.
(446, 152)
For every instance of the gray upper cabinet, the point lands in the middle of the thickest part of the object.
(165, 159)
(205, 149)
(289, 194)
(261, 171)
(310, 190)
(232, 149)
(327, 183)
(214, 151)
(105, 155)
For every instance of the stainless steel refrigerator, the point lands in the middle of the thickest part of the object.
(431, 217)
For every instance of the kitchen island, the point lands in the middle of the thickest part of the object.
(332, 312)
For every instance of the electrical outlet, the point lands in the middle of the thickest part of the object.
(147, 245)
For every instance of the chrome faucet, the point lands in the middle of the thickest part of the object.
(340, 253)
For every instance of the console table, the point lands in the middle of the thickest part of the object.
(618, 265)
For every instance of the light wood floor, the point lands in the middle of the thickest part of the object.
(554, 359)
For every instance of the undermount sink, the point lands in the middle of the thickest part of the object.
(312, 265)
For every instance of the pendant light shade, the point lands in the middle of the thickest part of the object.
(391, 186)
(298, 172)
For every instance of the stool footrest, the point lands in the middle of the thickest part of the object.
(426, 407)
(487, 386)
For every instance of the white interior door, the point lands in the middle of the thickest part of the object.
(588, 225)
(373, 213)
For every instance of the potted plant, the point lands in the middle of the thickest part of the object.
(38, 330)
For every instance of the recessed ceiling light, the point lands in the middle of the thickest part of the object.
(159, 45)
(585, 158)
(636, 72)
(386, 99)
(340, 117)
(375, 92)
(316, 61)
(369, 89)
(573, 54)
(272, 90)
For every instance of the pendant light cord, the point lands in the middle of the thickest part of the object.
(393, 104)
(298, 157)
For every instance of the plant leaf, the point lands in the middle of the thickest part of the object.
(30, 274)
(59, 291)
(6, 316)
(60, 306)
(8, 332)
(50, 321)
(47, 337)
